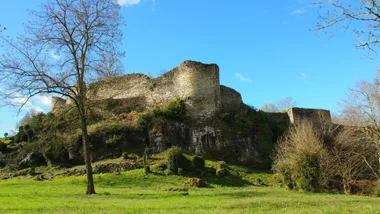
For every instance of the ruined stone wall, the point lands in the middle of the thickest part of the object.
(315, 115)
(128, 86)
(56, 104)
(196, 81)
(278, 118)
(231, 99)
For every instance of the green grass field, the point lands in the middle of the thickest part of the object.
(134, 192)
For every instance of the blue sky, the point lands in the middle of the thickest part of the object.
(265, 49)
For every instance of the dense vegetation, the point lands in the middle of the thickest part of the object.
(332, 159)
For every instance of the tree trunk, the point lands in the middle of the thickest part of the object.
(346, 187)
(87, 157)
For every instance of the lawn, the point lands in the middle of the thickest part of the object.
(134, 192)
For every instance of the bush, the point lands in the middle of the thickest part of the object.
(221, 169)
(376, 189)
(175, 109)
(196, 182)
(161, 166)
(308, 173)
(33, 159)
(143, 120)
(175, 159)
(298, 158)
(260, 182)
(351, 158)
(115, 139)
(198, 163)
(168, 172)
(180, 171)
(125, 155)
(3, 147)
(361, 187)
(147, 170)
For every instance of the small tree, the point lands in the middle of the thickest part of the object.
(6, 135)
(279, 106)
(351, 157)
(361, 110)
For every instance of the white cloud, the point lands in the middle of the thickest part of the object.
(13, 131)
(298, 11)
(42, 99)
(242, 78)
(128, 2)
(20, 100)
(54, 55)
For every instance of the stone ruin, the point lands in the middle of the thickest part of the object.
(197, 82)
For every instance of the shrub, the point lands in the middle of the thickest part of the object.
(308, 173)
(376, 189)
(175, 109)
(175, 159)
(3, 147)
(180, 171)
(125, 155)
(351, 158)
(147, 170)
(260, 182)
(161, 166)
(298, 158)
(198, 163)
(196, 182)
(115, 139)
(221, 169)
(361, 187)
(168, 172)
(143, 120)
(33, 159)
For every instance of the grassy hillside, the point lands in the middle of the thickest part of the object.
(135, 192)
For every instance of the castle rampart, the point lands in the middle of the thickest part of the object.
(197, 82)
(56, 104)
(315, 115)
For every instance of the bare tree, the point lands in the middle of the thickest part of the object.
(362, 16)
(279, 106)
(31, 113)
(351, 157)
(110, 66)
(361, 110)
(269, 107)
(57, 54)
